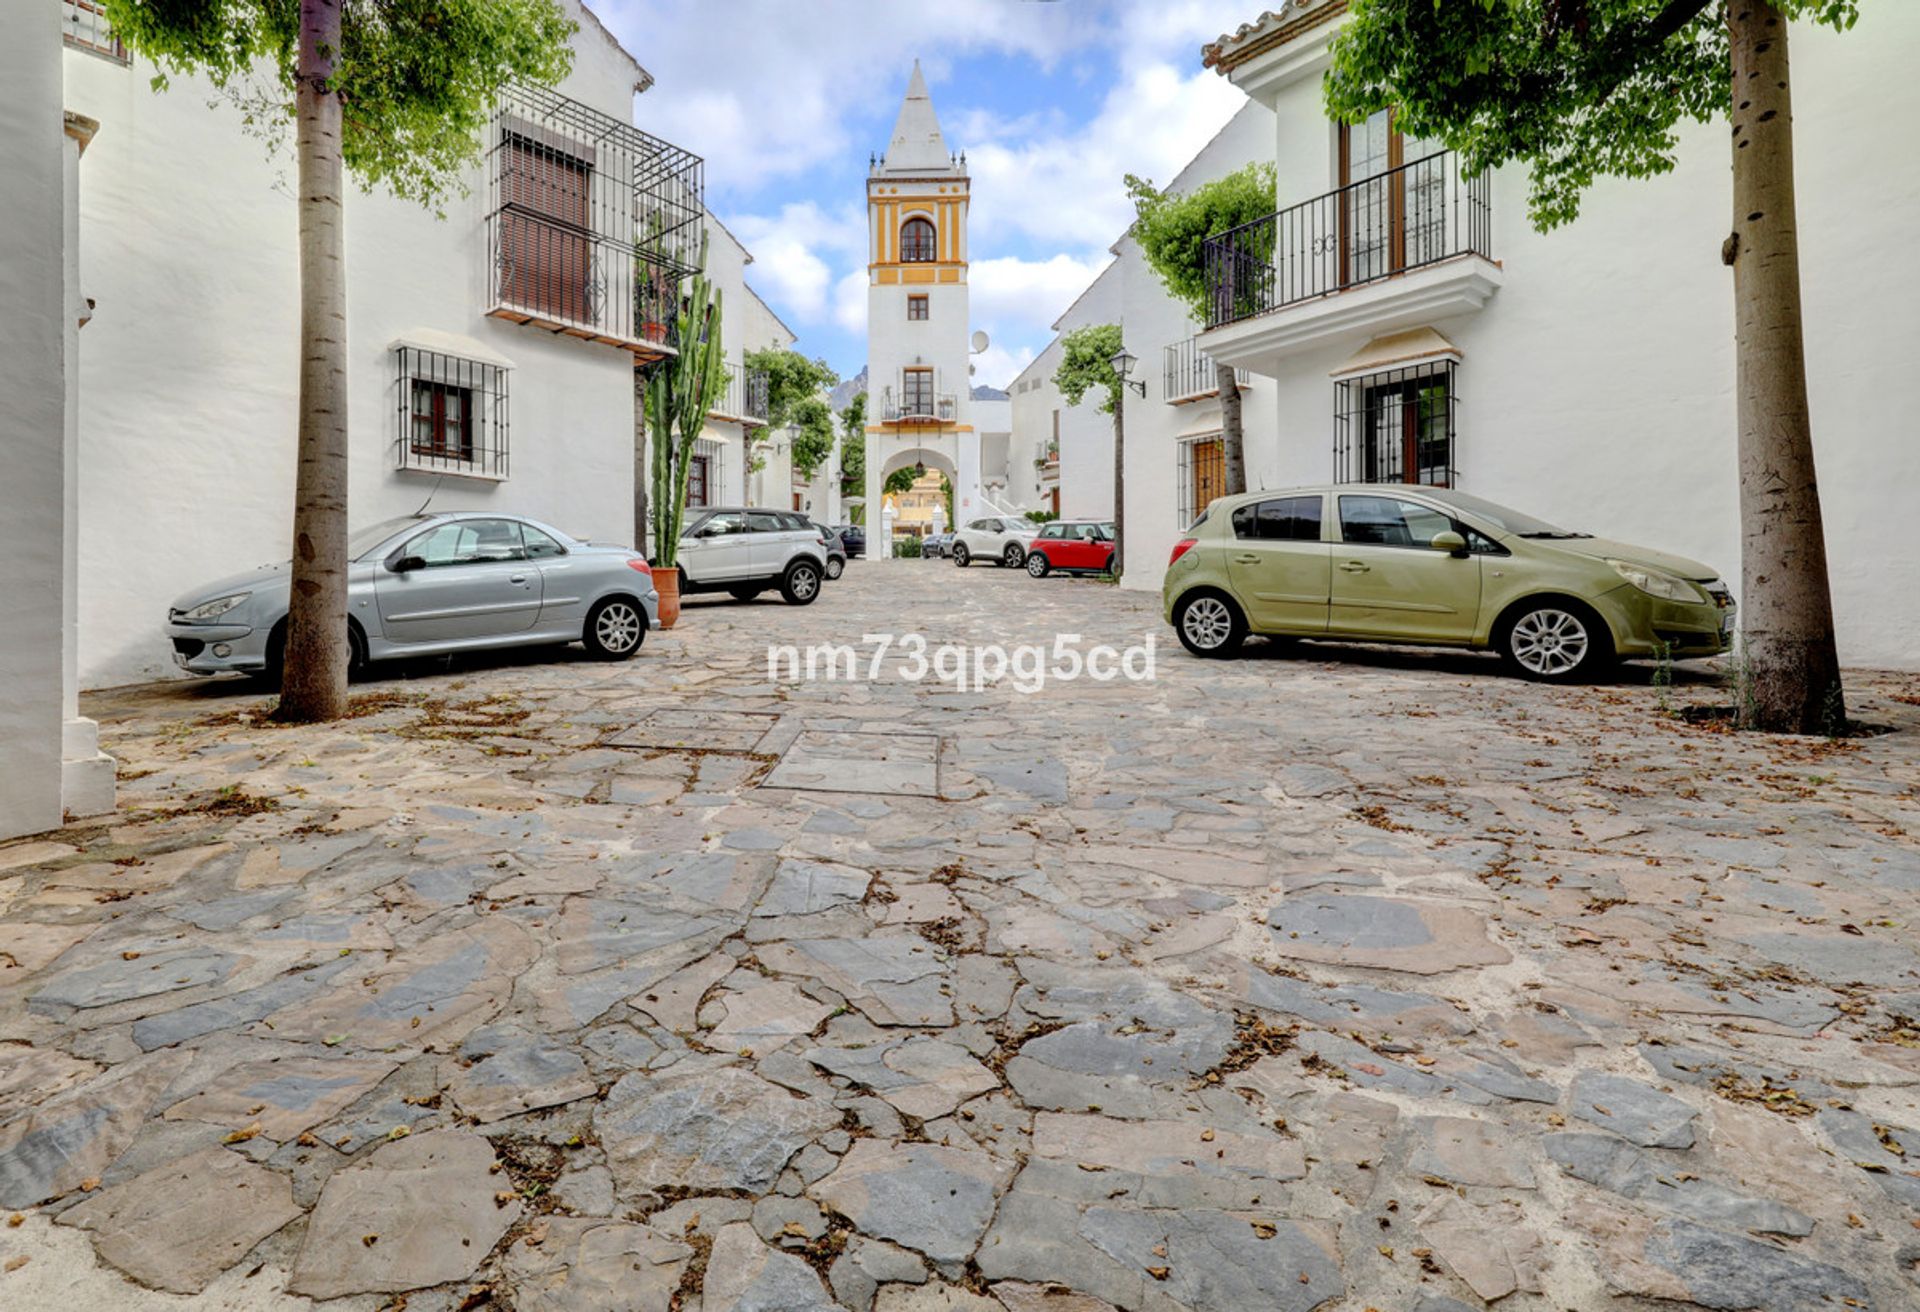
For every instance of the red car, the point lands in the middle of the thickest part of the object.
(1074, 546)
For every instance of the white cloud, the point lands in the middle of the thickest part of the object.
(1007, 290)
(796, 251)
(997, 366)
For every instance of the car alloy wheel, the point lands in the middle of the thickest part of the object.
(1037, 565)
(615, 629)
(1549, 643)
(1209, 625)
(836, 567)
(961, 556)
(1012, 556)
(802, 584)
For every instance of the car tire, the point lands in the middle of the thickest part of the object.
(835, 567)
(801, 583)
(961, 556)
(615, 629)
(1013, 557)
(1209, 624)
(745, 591)
(1555, 641)
(1037, 565)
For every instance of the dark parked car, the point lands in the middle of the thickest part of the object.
(854, 538)
(938, 545)
(836, 549)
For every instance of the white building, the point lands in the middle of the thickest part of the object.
(491, 352)
(734, 435)
(1401, 322)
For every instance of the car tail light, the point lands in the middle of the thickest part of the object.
(638, 563)
(1181, 548)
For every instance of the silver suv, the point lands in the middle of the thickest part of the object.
(744, 551)
(1002, 540)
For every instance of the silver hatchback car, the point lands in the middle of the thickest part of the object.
(424, 585)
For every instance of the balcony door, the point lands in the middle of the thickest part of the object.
(1392, 200)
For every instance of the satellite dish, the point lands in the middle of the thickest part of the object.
(979, 341)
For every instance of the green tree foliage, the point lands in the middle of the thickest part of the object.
(418, 77)
(791, 379)
(1575, 89)
(813, 435)
(1086, 365)
(853, 454)
(900, 481)
(1172, 227)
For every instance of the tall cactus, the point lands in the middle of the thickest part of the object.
(679, 391)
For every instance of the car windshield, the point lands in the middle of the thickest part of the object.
(359, 544)
(1509, 521)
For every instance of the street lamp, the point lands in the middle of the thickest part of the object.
(1123, 362)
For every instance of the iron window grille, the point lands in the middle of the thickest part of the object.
(917, 241)
(84, 27)
(743, 396)
(452, 414)
(700, 470)
(1406, 218)
(1398, 426)
(591, 223)
(1190, 374)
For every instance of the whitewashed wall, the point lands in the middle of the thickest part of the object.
(189, 379)
(1086, 433)
(1596, 385)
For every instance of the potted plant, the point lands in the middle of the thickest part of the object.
(679, 390)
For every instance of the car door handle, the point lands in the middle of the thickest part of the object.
(1246, 558)
(1355, 567)
(517, 578)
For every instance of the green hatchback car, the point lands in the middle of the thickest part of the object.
(1402, 564)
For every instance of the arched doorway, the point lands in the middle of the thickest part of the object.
(923, 505)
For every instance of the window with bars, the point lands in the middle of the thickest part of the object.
(1398, 426)
(917, 241)
(453, 413)
(916, 307)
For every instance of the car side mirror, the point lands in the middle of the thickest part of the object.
(1451, 543)
(407, 564)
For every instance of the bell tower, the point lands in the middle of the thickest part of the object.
(918, 366)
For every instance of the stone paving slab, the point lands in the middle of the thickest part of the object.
(1242, 988)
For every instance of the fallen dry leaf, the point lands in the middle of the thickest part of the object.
(15, 1263)
(241, 1136)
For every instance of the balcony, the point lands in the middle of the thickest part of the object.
(84, 27)
(743, 397)
(918, 407)
(1392, 251)
(1191, 374)
(591, 223)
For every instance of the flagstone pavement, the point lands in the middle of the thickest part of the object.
(1355, 979)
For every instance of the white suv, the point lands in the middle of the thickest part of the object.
(1003, 541)
(744, 551)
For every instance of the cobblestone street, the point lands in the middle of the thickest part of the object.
(1324, 978)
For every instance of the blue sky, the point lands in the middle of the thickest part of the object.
(1053, 101)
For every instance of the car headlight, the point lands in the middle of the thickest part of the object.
(219, 606)
(1656, 583)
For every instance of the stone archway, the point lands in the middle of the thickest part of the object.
(934, 461)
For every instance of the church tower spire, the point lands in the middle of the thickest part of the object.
(917, 145)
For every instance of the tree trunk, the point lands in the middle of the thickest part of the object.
(1233, 446)
(1790, 670)
(314, 681)
(1119, 480)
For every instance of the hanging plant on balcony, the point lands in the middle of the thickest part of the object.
(679, 391)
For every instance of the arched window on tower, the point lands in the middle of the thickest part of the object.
(917, 241)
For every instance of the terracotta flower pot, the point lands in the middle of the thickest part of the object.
(667, 583)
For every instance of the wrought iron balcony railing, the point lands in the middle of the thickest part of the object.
(743, 399)
(591, 223)
(917, 407)
(1403, 219)
(84, 27)
(1190, 374)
